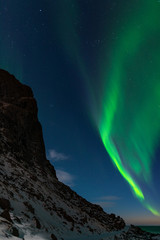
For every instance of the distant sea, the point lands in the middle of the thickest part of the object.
(151, 229)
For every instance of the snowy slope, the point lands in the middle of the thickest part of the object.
(41, 205)
(59, 210)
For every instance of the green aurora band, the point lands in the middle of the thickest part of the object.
(129, 123)
(127, 112)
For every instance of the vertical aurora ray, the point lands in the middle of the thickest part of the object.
(129, 123)
(10, 55)
(66, 25)
(66, 22)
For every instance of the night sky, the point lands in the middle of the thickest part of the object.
(94, 70)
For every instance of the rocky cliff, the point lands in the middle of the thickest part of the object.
(33, 203)
(20, 131)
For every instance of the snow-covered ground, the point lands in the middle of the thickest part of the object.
(41, 206)
(36, 196)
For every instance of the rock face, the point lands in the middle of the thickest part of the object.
(33, 202)
(20, 131)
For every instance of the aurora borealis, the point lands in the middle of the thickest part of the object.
(128, 106)
(130, 120)
(94, 68)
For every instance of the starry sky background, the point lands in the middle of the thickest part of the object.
(65, 51)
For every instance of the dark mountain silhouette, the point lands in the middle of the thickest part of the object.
(33, 203)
